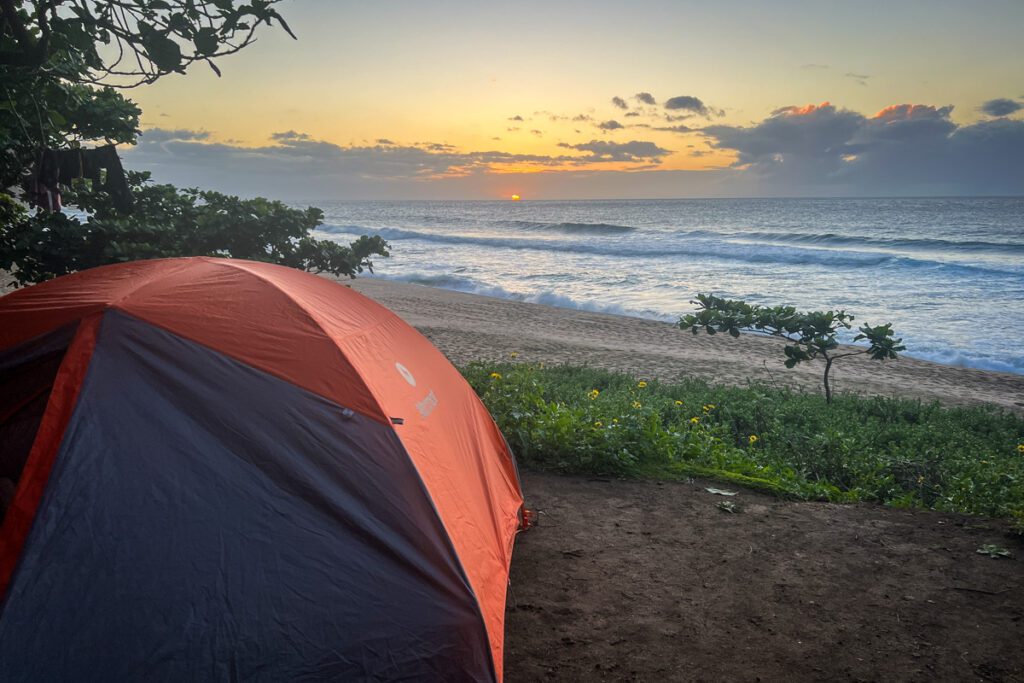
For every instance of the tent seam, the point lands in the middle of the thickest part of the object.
(316, 321)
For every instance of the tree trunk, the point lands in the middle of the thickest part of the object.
(828, 388)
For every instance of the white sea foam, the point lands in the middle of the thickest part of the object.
(948, 273)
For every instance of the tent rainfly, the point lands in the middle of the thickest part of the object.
(221, 469)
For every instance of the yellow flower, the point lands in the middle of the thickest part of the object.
(598, 423)
(637, 404)
(752, 439)
(920, 479)
(1020, 448)
(679, 403)
(694, 420)
(641, 384)
(615, 420)
(495, 375)
(709, 407)
(593, 394)
(514, 354)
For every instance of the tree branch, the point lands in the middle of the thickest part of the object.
(17, 26)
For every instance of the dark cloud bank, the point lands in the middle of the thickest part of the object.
(817, 150)
(298, 166)
(903, 149)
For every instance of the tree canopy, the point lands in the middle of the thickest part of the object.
(811, 334)
(127, 42)
(65, 66)
(168, 222)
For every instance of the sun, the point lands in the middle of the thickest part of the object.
(516, 198)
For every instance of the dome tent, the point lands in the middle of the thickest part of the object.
(229, 469)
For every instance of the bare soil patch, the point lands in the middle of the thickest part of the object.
(652, 581)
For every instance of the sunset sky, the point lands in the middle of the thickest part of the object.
(604, 99)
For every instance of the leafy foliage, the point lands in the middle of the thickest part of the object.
(54, 54)
(60, 62)
(168, 222)
(38, 111)
(899, 452)
(811, 335)
(127, 42)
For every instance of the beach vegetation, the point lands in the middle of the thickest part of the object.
(901, 452)
(811, 334)
(168, 222)
(65, 66)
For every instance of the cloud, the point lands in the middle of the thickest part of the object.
(862, 79)
(620, 103)
(814, 66)
(687, 103)
(610, 125)
(634, 150)
(289, 136)
(645, 98)
(160, 135)
(297, 165)
(631, 114)
(680, 128)
(902, 149)
(512, 129)
(582, 117)
(813, 138)
(536, 132)
(1001, 107)
(811, 150)
(517, 117)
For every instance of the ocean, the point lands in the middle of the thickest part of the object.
(947, 272)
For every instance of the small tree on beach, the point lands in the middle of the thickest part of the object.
(811, 334)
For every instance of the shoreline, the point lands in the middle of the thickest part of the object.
(548, 298)
(469, 327)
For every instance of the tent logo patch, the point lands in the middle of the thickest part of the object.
(406, 375)
(427, 405)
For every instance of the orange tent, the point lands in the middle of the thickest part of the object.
(228, 468)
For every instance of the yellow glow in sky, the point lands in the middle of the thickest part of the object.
(557, 87)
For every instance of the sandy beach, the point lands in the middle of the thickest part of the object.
(469, 327)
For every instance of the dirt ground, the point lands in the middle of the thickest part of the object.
(634, 580)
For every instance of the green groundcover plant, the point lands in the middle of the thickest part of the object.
(900, 452)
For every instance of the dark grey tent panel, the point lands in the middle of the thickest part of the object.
(27, 373)
(246, 530)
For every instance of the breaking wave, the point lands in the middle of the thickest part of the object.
(696, 248)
